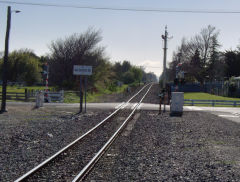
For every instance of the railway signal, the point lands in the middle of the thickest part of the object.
(179, 80)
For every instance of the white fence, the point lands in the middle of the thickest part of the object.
(213, 103)
(54, 96)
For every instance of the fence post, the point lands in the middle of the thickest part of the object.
(62, 96)
(26, 94)
(213, 103)
(192, 102)
(39, 99)
(235, 104)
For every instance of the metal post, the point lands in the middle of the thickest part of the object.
(85, 87)
(46, 83)
(5, 67)
(164, 101)
(165, 57)
(26, 94)
(81, 97)
(160, 103)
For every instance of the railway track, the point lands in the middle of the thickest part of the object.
(73, 162)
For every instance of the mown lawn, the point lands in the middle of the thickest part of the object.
(206, 96)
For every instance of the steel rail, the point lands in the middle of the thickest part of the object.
(35, 169)
(98, 155)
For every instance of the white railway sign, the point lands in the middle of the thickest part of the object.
(82, 70)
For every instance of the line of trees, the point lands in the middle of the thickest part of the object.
(77, 49)
(201, 59)
(23, 66)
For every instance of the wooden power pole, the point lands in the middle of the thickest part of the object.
(5, 61)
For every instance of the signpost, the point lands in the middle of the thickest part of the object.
(82, 70)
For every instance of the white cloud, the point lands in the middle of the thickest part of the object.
(152, 66)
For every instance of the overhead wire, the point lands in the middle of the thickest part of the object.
(150, 66)
(124, 9)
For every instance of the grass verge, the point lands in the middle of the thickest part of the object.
(73, 97)
(206, 96)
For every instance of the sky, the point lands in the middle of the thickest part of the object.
(132, 36)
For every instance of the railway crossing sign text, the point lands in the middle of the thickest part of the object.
(82, 70)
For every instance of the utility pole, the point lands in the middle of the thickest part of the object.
(81, 95)
(5, 61)
(165, 38)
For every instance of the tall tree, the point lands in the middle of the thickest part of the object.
(77, 49)
(24, 66)
(196, 68)
(121, 70)
(126, 66)
(138, 73)
(214, 60)
(203, 47)
(232, 62)
(209, 37)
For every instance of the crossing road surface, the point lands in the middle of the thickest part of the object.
(231, 113)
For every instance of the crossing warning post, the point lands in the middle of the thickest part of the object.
(85, 71)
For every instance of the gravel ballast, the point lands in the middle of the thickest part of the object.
(195, 147)
(30, 136)
(67, 165)
(198, 146)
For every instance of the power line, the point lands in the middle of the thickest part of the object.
(150, 66)
(125, 9)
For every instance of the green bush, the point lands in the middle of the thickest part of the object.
(128, 77)
(112, 87)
